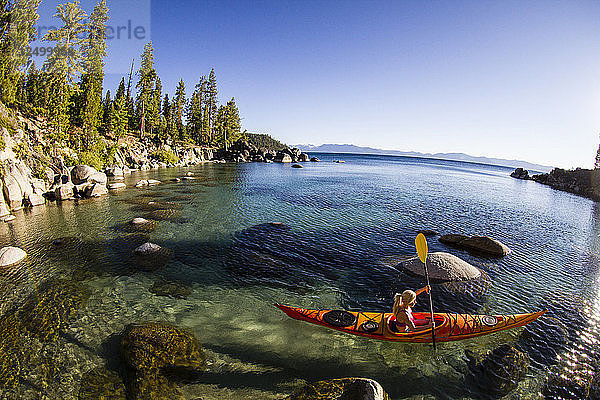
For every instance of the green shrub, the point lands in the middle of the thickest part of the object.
(166, 156)
(91, 158)
(5, 123)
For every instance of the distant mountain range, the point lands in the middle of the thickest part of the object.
(350, 148)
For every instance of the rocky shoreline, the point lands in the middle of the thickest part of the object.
(582, 182)
(32, 171)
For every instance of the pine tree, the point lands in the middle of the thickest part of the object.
(121, 89)
(167, 131)
(94, 52)
(147, 77)
(228, 124)
(106, 109)
(211, 105)
(597, 163)
(194, 116)
(179, 108)
(118, 117)
(63, 64)
(18, 21)
(199, 121)
(155, 103)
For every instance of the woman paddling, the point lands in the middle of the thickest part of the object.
(402, 310)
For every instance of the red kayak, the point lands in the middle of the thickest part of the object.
(382, 326)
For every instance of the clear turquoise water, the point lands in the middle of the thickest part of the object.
(349, 222)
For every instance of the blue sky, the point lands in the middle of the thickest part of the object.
(500, 79)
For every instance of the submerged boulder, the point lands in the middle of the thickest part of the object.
(341, 389)
(103, 384)
(151, 348)
(442, 267)
(51, 308)
(500, 371)
(452, 238)
(170, 288)
(486, 245)
(480, 244)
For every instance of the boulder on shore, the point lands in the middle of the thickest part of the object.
(283, 158)
(81, 173)
(11, 255)
(442, 267)
(64, 191)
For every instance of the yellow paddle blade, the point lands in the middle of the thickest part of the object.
(421, 244)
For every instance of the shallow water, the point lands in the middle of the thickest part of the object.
(348, 224)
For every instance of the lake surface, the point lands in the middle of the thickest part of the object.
(349, 223)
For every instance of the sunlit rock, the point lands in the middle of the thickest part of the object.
(11, 255)
(116, 186)
(442, 267)
(81, 173)
(480, 244)
(148, 248)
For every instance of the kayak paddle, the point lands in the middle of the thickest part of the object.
(421, 244)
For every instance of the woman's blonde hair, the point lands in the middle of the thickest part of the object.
(404, 299)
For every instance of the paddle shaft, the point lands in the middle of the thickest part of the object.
(430, 307)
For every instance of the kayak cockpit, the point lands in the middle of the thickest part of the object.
(400, 329)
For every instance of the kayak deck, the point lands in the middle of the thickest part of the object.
(377, 325)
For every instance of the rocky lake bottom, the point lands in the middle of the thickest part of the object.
(67, 311)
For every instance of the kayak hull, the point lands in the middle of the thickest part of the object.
(381, 326)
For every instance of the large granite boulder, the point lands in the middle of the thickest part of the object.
(442, 267)
(98, 177)
(64, 191)
(96, 190)
(152, 348)
(13, 192)
(283, 158)
(36, 199)
(479, 244)
(81, 173)
(11, 255)
(341, 389)
(114, 171)
(303, 157)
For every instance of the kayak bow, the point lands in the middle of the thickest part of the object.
(382, 326)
